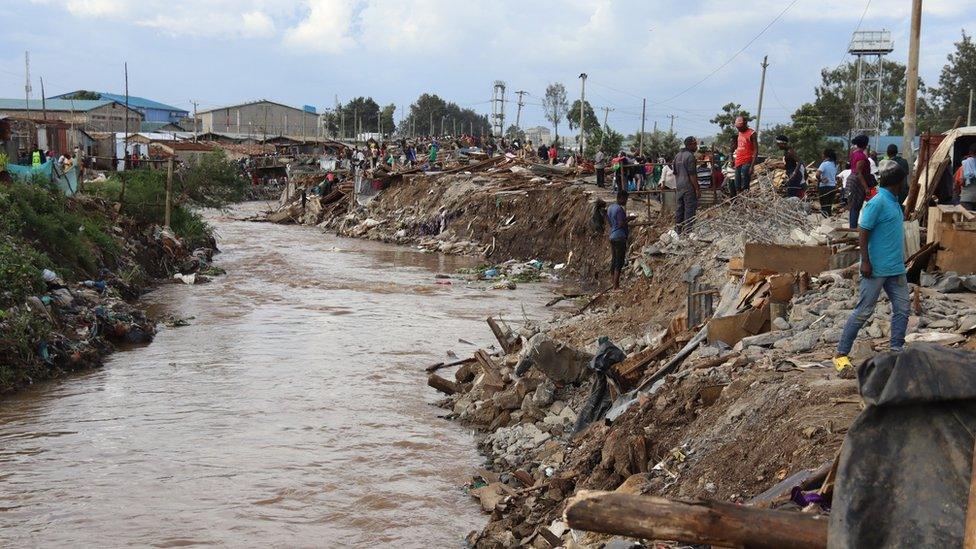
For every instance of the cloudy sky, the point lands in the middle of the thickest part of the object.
(686, 58)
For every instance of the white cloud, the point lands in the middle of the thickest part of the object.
(256, 23)
(326, 28)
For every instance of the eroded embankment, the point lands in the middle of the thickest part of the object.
(73, 269)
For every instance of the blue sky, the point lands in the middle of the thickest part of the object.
(221, 52)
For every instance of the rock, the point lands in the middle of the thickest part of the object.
(950, 284)
(944, 323)
(873, 331)
(804, 341)
(780, 323)
(862, 350)
(967, 324)
(941, 338)
(560, 363)
(764, 340)
(544, 394)
(832, 335)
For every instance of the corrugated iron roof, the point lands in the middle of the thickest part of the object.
(134, 101)
(54, 104)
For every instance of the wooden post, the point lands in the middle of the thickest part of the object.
(169, 191)
(715, 523)
(969, 541)
(445, 386)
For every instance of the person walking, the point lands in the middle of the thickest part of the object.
(860, 183)
(746, 152)
(686, 185)
(599, 163)
(882, 236)
(619, 231)
(827, 182)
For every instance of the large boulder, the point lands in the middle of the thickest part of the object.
(559, 362)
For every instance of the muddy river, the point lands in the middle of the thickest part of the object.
(291, 412)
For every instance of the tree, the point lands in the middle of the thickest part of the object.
(608, 141)
(836, 94)
(958, 76)
(725, 120)
(589, 117)
(430, 109)
(659, 144)
(555, 106)
(84, 95)
(386, 118)
(513, 133)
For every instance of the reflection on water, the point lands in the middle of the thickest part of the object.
(293, 411)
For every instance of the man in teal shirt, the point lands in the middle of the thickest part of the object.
(882, 237)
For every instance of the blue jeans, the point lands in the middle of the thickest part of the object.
(897, 289)
(741, 182)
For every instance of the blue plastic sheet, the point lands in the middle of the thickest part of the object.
(67, 181)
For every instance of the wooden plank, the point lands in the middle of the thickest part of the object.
(787, 259)
(503, 336)
(489, 368)
(445, 386)
(440, 365)
(728, 329)
(698, 522)
(958, 251)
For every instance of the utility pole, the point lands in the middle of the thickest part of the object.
(969, 115)
(125, 115)
(27, 85)
(672, 117)
(169, 191)
(911, 85)
(606, 113)
(582, 138)
(643, 118)
(44, 101)
(518, 113)
(355, 123)
(196, 121)
(762, 88)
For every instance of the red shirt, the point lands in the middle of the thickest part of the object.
(745, 150)
(552, 152)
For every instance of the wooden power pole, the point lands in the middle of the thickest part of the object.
(643, 119)
(762, 89)
(582, 138)
(911, 84)
(169, 191)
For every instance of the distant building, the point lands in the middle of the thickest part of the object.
(538, 135)
(260, 118)
(103, 115)
(152, 111)
(156, 127)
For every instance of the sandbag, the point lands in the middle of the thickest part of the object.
(904, 472)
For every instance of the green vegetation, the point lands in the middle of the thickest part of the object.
(19, 332)
(40, 228)
(213, 183)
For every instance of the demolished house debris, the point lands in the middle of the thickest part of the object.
(708, 379)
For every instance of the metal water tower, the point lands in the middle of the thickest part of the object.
(869, 47)
(498, 109)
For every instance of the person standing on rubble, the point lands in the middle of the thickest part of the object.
(892, 155)
(860, 182)
(686, 185)
(882, 237)
(746, 152)
(619, 231)
(553, 152)
(599, 163)
(827, 182)
(795, 183)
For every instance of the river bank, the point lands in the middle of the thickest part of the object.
(289, 409)
(692, 416)
(73, 270)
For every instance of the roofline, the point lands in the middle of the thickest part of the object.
(255, 102)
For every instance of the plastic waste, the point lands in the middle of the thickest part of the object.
(491, 273)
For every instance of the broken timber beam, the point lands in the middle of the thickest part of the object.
(702, 522)
(439, 365)
(445, 386)
(503, 336)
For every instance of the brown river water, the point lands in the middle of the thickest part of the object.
(292, 412)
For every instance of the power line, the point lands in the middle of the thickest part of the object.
(730, 59)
